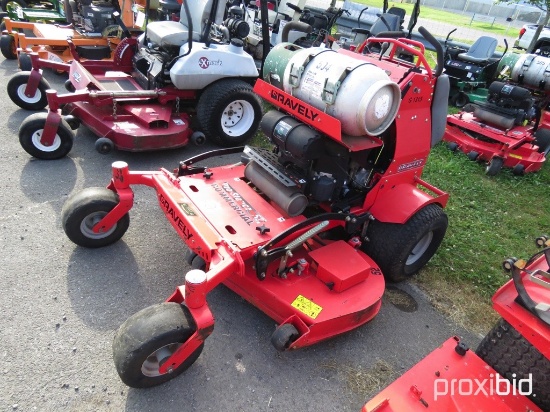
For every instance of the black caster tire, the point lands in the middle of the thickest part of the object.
(16, 91)
(104, 145)
(147, 339)
(229, 112)
(473, 155)
(541, 241)
(25, 62)
(283, 336)
(69, 86)
(494, 166)
(508, 264)
(402, 250)
(518, 170)
(512, 356)
(85, 209)
(453, 147)
(30, 133)
(198, 263)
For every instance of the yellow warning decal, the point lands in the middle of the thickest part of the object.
(515, 156)
(307, 307)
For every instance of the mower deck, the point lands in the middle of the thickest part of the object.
(340, 289)
(514, 146)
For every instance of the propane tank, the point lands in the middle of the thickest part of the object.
(532, 71)
(507, 63)
(358, 93)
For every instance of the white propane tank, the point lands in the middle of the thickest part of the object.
(533, 71)
(358, 93)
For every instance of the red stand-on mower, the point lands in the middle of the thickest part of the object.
(176, 68)
(508, 129)
(307, 231)
(510, 370)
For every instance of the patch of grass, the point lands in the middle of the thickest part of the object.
(364, 382)
(490, 219)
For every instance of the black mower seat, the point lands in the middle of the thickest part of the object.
(481, 51)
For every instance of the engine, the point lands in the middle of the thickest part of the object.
(307, 167)
(506, 105)
(93, 18)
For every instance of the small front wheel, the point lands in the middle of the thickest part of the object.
(283, 336)
(147, 339)
(25, 62)
(494, 166)
(84, 210)
(16, 90)
(104, 145)
(30, 137)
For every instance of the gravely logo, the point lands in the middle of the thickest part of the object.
(294, 105)
(174, 215)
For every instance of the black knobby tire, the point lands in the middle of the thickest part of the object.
(16, 91)
(8, 47)
(283, 336)
(137, 342)
(508, 352)
(401, 250)
(4, 3)
(542, 140)
(494, 167)
(30, 133)
(85, 209)
(229, 112)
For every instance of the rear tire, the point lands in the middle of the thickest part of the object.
(83, 210)
(16, 91)
(144, 342)
(508, 352)
(229, 112)
(30, 134)
(8, 47)
(401, 250)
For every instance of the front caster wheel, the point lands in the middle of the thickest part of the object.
(104, 145)
(401, 250)
(283, 337)
(229, 112)
(147, 339)
(453, 146)
(473, 155)
(494, 166)
(30, 137)
(25, 62)
(16, 90)
(508, 264)
(84, 210)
